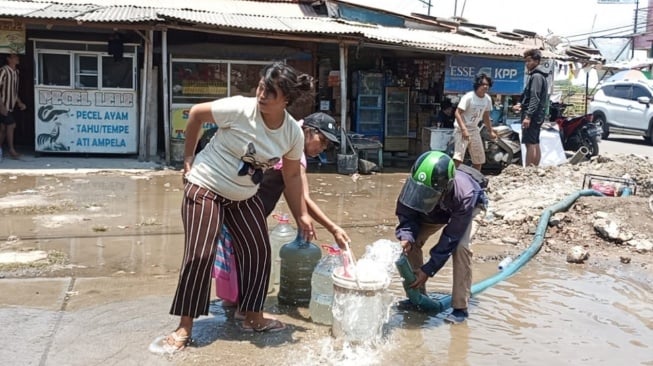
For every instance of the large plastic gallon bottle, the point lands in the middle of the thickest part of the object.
(298, 260)
(281, 234)
(322, 286)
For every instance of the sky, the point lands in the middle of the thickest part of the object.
(563, 17)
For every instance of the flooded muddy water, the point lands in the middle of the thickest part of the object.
(550, 311)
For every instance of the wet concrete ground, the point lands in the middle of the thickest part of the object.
(122, 239)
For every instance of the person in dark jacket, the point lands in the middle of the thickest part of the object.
(533, 106)
(438, 196)
(319, 132)
(445, 118)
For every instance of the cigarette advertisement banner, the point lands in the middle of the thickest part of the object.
(460, 72)
(86, 121)
(179, 119)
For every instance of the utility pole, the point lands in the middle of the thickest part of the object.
(428, 4)
(632, 38)
(636, 11)
(632, 55)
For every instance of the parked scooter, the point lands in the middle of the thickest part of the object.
(503, 151)
(575, 132)
(499, 153)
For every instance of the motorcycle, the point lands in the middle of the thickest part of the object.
(499, 153)
(576, 132)
(503, 151)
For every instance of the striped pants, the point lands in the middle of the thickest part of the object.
(203, 213)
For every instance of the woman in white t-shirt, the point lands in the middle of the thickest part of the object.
(474, 107)
(253, 135)
(319, 132)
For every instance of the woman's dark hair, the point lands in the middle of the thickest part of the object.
(293, 85)
(534, 53)
(479, 80)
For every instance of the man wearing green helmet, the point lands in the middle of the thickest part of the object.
(439, 196)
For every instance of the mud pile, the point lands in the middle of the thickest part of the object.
(519, 195)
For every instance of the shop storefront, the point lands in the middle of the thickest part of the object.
(202, 80)
(392, 103)
(209, 70)
(396, 102)
(86, 101)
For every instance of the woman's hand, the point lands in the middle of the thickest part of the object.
(188, 164)
(340, 237)
(305, 224)
(465, 134)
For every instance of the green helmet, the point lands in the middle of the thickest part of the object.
(434, 169)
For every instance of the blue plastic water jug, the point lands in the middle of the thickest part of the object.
(298, 260)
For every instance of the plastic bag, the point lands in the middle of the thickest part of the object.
(225, 270)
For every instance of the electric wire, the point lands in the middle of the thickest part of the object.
(642, 21)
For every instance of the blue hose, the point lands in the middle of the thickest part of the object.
(428, 304)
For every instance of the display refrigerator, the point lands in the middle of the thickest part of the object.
(396, 118)
(369, 97)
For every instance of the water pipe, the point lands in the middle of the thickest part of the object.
(427, 304)
(579, 155)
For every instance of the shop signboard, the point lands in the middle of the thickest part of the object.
(460, 71)
(12, 37)
(179, 119)
(86, 121)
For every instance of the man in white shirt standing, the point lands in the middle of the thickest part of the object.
(472, 108)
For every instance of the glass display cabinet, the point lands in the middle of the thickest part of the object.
(396, 118)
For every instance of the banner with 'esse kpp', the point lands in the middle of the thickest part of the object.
(507, 75)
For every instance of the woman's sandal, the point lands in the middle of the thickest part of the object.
(228, 304)
(271, 327)
(162, 346)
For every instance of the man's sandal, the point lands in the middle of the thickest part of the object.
(162, 346)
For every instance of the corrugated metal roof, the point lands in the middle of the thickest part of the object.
(61, 11)
(127, 14)
(258, 16)
(259, 23)
(18, 8)
(439, 41)
(487, 34)
(262, 8)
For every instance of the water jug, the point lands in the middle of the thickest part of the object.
(281, 234)
(298, 260)
(322, 286)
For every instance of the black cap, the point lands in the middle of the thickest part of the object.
(325, 124)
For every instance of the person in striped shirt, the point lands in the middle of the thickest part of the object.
(9, 100)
